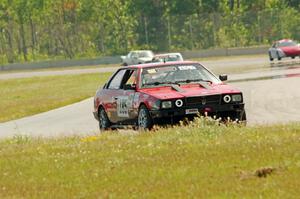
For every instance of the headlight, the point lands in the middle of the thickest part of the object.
(227, 98)
(236, 98)
(166, 104)
(179, 103)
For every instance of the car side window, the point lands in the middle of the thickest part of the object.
(130, 79)
(115, 83)
(134, 55)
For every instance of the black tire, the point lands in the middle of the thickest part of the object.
(293, 57)
(270, 57)
(243, 118)
(144, 120)
(104, 123)
(278, 57)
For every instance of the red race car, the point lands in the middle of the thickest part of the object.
(148, 94)
(284, 48)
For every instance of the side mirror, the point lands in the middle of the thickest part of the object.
(223, 77)
(129, 87)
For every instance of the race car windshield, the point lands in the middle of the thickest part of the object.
(183, 74)
(287, 43)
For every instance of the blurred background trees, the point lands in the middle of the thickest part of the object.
(66, 29)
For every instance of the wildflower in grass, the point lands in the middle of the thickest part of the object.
(89, 139)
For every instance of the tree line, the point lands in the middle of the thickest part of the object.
(54, 29)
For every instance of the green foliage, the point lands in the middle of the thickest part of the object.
(42, 29)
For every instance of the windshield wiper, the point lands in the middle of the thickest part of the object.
(162, 83)
(193, 80)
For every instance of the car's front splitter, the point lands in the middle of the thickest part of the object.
(224, 110)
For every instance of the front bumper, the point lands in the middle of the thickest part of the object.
(223, 111)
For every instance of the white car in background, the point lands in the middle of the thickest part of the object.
(167, 57)
(137, 57)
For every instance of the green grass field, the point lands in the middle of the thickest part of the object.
(29, 96)
(61, 68)
(202, 160)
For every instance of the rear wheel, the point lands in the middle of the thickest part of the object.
(144, 121)
(104, 122)
(293, 57)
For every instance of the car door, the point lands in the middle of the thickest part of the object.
(273, 50)
(113, 93)
(125, 102)
(134, 58)
(128, 58)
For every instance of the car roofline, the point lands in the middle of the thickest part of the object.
(285, 40)
(158, 64)
(164, 54)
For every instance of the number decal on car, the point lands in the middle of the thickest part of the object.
(124, 103)
(122, 106)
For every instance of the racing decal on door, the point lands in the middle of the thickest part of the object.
(122, 108)
(124, 103)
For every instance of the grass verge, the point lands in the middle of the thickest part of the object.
(60, 68)
(28, 96)
(202, 160)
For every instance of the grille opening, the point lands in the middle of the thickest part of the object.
(211, 99)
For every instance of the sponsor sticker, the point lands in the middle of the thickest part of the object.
(186, 67)
(123, 104)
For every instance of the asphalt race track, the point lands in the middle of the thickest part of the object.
(227, 63)
(271, 95)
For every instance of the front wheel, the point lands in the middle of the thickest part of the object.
(270, 57)
(104, 122)
(278, 57)
(144, 120)
(243, 118)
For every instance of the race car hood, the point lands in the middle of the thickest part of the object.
(169, 92)
(291, 50)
